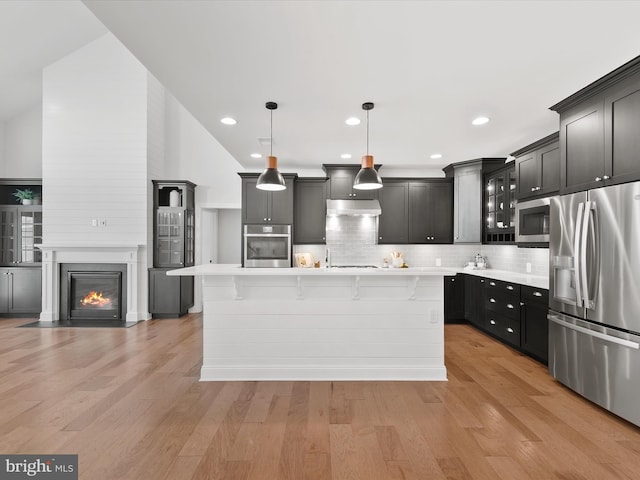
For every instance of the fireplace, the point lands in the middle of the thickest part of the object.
(93, 291)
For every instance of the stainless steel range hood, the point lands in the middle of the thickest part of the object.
(353, 207)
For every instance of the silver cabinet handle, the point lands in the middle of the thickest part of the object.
(453, 279)
(492, 300)
(522, 304)
(379, 238)
(265, 219)
(510, 330)
(268, 219)
(509, 306)
(509, 287)
(533, 189)
(482, 281)
(537, 294)
(606, 177)
(493, 284)
(492, 322)
(598, 179)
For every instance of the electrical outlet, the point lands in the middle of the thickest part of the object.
(94, 222)
(103, 222)
(528, 267)
(438, 262)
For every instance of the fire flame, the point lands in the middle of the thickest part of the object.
(95, 299)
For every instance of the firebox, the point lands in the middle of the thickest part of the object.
(95, 291)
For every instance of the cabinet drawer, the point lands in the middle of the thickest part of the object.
(507, 329)
(504, 305)
(500, 286)
(539, 295)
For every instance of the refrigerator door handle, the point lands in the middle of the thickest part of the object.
(576, 253)
(588, 208)
(592, 333)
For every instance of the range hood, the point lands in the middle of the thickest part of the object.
(353, 207)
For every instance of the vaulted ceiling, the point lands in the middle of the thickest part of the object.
(430, 67)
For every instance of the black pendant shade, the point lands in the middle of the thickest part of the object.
(271, 179)
(367, 178)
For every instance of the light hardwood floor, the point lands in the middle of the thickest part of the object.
(129, 402)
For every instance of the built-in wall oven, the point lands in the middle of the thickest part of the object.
(532, 225)
(267, 246)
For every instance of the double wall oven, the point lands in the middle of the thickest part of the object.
(267, 246)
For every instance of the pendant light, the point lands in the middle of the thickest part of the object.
(367, 178)
(271, 179)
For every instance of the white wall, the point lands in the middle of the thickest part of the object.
(94, 163)
(229, 231)
(21, 145)
(192, 153)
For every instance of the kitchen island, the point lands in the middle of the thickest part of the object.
(321, 323)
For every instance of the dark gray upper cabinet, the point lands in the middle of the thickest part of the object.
(310, 210)
(538, 168)
(341, 179)
(264, 207)
(599, 125)
(393, 223)
(499, 205)
(431, 211)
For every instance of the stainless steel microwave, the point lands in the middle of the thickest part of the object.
(267, 246)
(532, 222)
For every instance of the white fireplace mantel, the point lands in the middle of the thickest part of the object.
(53, 255)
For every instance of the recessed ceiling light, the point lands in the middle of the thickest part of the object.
(480, 120)
(352, 121)
(256, 155)
(228, 121)
(436, 155)
(345, 156)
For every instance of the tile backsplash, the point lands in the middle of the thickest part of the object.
(352, 241)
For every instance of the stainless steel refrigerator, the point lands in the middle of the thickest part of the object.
(594, 296)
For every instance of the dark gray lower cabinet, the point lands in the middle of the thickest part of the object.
(534, 336)
(454, 299)
(169, 296)
(20, 290)
(512, 313)
(473, 300)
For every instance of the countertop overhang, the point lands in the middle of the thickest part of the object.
(536, 281)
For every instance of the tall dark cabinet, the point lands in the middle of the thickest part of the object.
(173, 247)
(20, 260)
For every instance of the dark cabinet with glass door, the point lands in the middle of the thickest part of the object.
(20, 232)
(499, 205)
(174, 247)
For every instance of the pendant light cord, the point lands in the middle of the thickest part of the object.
(271, 135)
(367, 132)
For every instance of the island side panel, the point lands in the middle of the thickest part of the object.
(288, 327)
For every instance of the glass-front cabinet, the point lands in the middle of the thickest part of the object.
(499, 205)
(20, 260)
(174, 224)
(174, 247)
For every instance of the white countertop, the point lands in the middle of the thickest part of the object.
(234, 270)
(536, 281)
